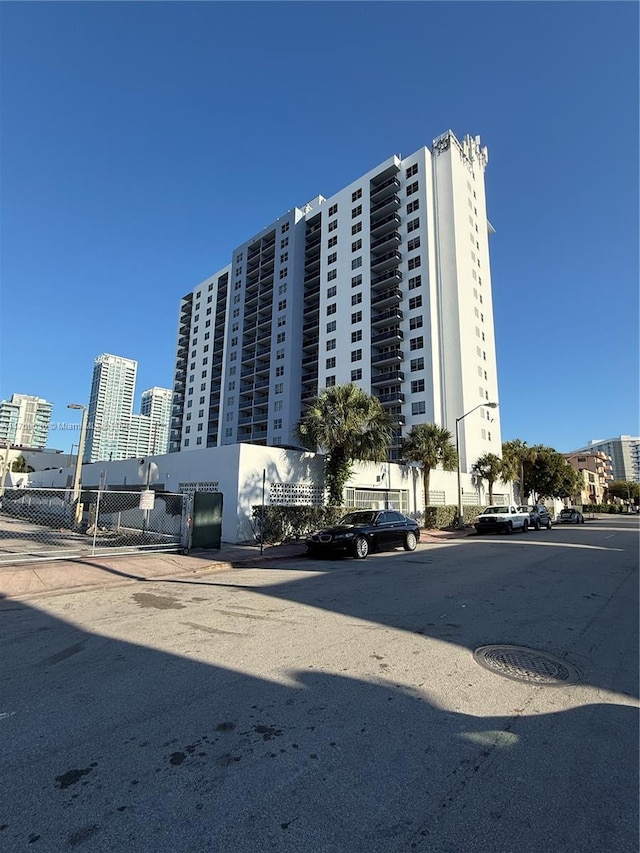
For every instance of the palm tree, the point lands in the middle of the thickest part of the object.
(514, 455)
(431, 445)
(348, 425)
(489, 468)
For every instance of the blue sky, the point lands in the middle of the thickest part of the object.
(141, 142)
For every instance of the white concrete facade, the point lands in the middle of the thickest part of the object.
(624, 451)
(156, 404)
(386, 283)
(291, 477)
(110, 408)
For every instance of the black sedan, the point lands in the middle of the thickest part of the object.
(359, 533)
(570, 515)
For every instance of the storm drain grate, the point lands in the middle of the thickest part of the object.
(528, 665)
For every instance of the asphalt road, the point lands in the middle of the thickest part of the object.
(331, 706)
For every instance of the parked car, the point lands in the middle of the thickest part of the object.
(359, 533)
(538, 516)
(570, 515)
(503, 519)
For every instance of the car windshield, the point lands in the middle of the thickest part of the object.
(358, 518)
(567, 511)
(526, 509)
(495, 509)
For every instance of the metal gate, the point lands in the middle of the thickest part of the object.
(47, 524)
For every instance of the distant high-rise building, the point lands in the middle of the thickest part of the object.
(110, 408)
(24, 421)
(156, 405)
(624, 452)
(386, 284)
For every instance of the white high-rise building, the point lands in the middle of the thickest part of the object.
(24, 421)
(110, 408)
(386, 284)
(156, 405)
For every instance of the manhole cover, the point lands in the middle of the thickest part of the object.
(528, 665)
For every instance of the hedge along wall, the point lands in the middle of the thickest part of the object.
(286, 523)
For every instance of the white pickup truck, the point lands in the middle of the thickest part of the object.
(505, 519)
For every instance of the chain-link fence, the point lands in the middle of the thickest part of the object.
(50, 524)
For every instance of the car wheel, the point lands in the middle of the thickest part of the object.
(360, 548)
(509, 528)
(410, 541)
(549, 524)
(582, 520)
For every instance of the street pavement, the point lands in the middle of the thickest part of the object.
(330, 705)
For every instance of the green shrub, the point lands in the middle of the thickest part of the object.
(444, 517)
(290, 523)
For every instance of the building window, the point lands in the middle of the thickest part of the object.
(356, 262)
(417, 364)
(356, 195)
(277, 406)
(331, 242)
(414, 282)
(356, 229)
(415, 302)
(413, 244)
(411, 171)
(280, 354)
(414, 262)
(356, 336)
(413, 224)
(278, 388)
(280, 338)
(331, 309)
(330, 381)
(284, 257)
(417, 386)
(356, 355)
(283, 272)
(413, 206)
(333, 225)
(280, 371)
(330, 362)
(331, 326)
(333, 209)
(228, 432)
(282, 288)
(356, 298)
(356, 317)
(357, 244)
(282, 320)
(284, 228)
(356, 374)
(284, 242)
(416, 343)
(332, 258)
(282, 304)
(331, 344)
(331, 292)
(186, 442)
(356, 280)
(418, 408)
(277, 423)
(412, 188)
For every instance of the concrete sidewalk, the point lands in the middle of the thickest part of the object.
(28, 579)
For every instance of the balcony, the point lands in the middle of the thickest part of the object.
(261, 383)
(387, 241)
(387, 205)
(389, 336)
(386, 261)
(384, 225)
(391, 185)
(390, 356)
(395, 376)
(387, 297)
(312, 265)
(386, 280)
(310, 360)
(394, 315)
(311, 376)
(312, 279)
(312, 241)
(312, 291)
(310, 342)
(392, 399)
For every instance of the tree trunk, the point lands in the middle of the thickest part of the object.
(490, 491)
(427, 474)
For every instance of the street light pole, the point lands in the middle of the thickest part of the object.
(78, 473)
(460, 520)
